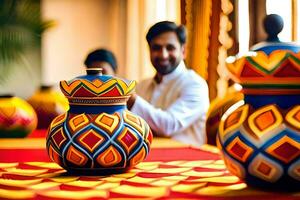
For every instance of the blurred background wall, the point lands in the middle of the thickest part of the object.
(216, 29)
(80, 27)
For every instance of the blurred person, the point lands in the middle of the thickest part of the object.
(175, 101)
(102, 58)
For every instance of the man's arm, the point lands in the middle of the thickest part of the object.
(190, 106)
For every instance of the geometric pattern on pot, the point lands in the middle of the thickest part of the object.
(293, 117)
(294, 170)
(17, 117)
(265, 168)
(96, 88)
(264, 120)
(266, 142)
(101, 141)
(285, 149)
(233, 166)
(231, 121)
(280, 67)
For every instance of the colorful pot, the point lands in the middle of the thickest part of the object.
(17, 117)
(216, 110)
(48, 104)
(260, 135)
(98, 133)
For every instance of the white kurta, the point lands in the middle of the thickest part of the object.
(176, 107)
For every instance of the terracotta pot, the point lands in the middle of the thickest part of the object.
(260, 135)
(98, 133)
(48, 104)
(17, 117)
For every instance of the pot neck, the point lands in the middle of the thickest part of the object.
(284, 101)
(77, 109)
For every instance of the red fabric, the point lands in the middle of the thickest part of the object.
(23, 155)
(185, 153)
(157, 154)
(38, 133)
(164, 155)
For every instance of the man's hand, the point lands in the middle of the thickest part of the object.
(131, 101)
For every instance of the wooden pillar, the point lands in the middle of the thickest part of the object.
(257, 13)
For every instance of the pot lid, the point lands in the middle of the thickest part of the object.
(94, 84)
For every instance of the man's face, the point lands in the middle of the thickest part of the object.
(166, 52)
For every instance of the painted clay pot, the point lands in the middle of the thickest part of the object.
(48, 104)
(98, 133)
(17, 117)
(216, 110)
(260, 135)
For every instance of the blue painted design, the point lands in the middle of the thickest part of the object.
(91, 78)
(283, 101)
(78, 109)
(269, 47)
(103, 78)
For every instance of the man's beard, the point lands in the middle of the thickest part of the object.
(163, 70)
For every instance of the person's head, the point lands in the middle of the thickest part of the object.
(167, 46)
(273, 25)
(102, 58)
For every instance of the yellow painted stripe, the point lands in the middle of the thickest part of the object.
(23, 143)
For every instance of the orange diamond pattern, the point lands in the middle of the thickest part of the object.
(58, 120)
(76, 157)
(239, 150)
(97, 82)
(139, 157)
(109, 157)
(54, 155)
(297, 116)
(285, 149)
(293, 116)
(91, 140)
(58, 137)
(265, 120)
(79, 121)
(108, 122)
(128, 139)
(133, 121)
(264, 168)
(232, 119)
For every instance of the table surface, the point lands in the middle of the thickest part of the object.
(172, 170)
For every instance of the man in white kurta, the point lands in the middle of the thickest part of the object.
(175, 102)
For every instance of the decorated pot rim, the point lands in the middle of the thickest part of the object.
(281, 67)
(98, 101)
(95, 85)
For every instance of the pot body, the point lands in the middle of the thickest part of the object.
(17, 117)
(48, 104)
(109, 138)
(98, 133)
(216, 110)
(260, 135)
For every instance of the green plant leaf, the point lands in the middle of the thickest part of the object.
(21, 28)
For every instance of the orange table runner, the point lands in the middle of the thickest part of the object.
(171, 171)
